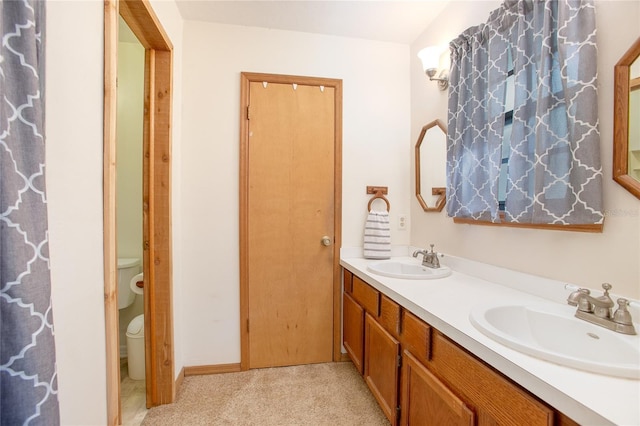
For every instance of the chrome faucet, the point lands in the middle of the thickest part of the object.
(598, 310)
(429, 259)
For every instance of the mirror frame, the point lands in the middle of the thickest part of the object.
(442, 192)
(621, 120)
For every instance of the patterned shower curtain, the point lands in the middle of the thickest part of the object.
(28, 380)
(554, 170)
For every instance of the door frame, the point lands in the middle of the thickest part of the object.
(246, 79)
(157, 258)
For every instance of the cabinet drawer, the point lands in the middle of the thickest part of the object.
(489, 392)
(389, 316)
(367, 296)
(347, 281)
(416, 336)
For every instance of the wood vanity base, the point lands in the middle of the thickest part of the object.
(421, 377)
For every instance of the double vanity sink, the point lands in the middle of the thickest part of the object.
(524, 335)
(546, 330)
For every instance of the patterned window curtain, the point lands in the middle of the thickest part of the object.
(28, 380)
(554, 171)
(555, 174)
(475, 122)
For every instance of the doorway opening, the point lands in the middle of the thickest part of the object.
(156, 207)
(129, 182)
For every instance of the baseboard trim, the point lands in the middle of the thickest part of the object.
(179, 381)
(201, 370)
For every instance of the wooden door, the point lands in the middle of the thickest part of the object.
(290, 209)
(381, 367)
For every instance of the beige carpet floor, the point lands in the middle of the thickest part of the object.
(317, 394)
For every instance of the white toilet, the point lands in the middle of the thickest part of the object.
(128, 267)
(135, 336)
(128, 276)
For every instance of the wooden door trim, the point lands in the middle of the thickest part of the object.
(156, 203)
(246, 80)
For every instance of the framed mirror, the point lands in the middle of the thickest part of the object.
(431, 161)
(626, 120)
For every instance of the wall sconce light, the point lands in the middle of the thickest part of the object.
(430, 57)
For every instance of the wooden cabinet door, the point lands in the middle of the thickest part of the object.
(381, 367)
(426, 401)
(496, 400)
(353, 330)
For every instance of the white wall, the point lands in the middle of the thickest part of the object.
(580, 258)
(74, 108)
(129, 149)
(129, 168)
(375, 132)
(74, 93)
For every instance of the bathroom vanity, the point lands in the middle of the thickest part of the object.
(418, 352)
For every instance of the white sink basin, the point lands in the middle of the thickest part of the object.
(408, 270)
(552, 333)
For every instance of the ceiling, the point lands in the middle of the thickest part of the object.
(391, 21)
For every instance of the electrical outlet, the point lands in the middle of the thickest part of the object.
(402, 221)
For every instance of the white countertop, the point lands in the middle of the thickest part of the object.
(588, 398)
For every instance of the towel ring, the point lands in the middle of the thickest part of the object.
(380, 196)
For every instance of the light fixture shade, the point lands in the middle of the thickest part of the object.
(430, 57)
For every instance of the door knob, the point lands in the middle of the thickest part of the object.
(326, 241)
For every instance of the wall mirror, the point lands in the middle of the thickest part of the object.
(626, 120)
(431, 160)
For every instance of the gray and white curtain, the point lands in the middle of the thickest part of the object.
(28, 380)
(552, 150)
(475, 122)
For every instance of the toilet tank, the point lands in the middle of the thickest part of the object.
(128, 267)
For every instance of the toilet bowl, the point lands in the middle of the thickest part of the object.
(127, 268)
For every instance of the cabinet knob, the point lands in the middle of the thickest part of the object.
(326, 241)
